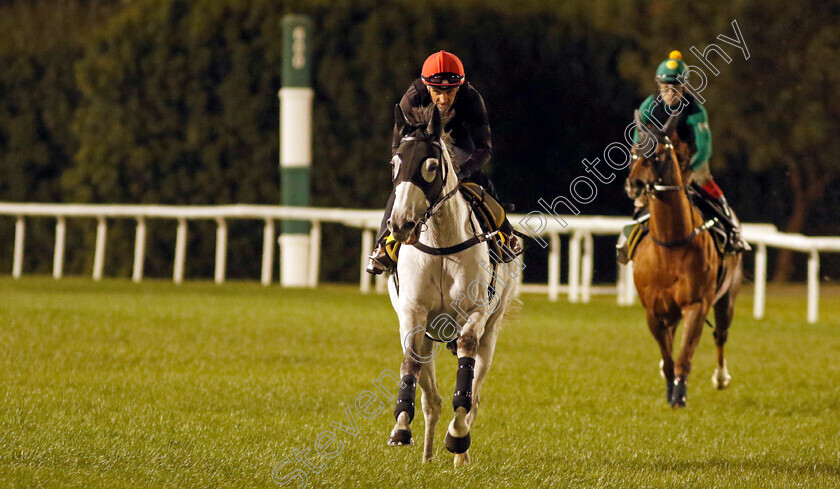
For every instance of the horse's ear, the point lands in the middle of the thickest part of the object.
(399, 118)
(435, 127)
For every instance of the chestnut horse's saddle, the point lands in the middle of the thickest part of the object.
(636, 230)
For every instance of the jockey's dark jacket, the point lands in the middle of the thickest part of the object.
(470, 127)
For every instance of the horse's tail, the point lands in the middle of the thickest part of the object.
(512, 311)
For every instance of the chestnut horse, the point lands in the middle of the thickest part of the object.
(677, 269)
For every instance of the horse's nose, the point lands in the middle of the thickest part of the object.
(633, 187)
(406, 227)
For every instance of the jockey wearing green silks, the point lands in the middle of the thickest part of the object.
(693, 132)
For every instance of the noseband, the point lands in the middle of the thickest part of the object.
(652, 188)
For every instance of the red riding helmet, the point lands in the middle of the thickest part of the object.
(443, 70)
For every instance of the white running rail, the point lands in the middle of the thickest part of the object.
(579, 229)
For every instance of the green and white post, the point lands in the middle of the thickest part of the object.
(296, 97)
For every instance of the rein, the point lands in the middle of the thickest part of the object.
(653, 188)
(430, 212)
(666, 188)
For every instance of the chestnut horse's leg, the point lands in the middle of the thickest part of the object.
(694, 316)
(724, 309)
(663, 332)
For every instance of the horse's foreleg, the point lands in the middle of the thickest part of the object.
(694, 316)
(458, 434)
(431, 406)
(663, 333)
(724, 309)
(415, 350)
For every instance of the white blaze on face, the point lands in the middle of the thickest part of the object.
(409, 204)
(396, 161)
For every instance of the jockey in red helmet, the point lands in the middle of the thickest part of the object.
(443, 82)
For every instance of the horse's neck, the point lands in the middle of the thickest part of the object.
(671, 214)
(448, 226)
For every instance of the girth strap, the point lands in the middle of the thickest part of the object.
(451, 250)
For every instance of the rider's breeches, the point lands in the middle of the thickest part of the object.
(703, 179)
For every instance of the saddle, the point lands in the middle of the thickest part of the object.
(492, 219)
(636, 230)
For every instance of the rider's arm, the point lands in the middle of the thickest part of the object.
(408, 101)
(699, 124)
(480, 134)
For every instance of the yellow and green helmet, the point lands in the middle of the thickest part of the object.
(673, 70)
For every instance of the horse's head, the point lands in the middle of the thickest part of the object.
(660, 168)
(419, 171)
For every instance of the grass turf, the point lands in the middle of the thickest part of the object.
(116, 384)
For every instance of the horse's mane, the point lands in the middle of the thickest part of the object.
(420, 117)
(681, 148)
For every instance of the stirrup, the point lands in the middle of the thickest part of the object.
(737, 242)
(621, 255)
(379, 262)
(512, 249)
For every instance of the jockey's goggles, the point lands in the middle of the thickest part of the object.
(444, 81)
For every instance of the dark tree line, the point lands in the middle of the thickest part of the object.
(175, 102)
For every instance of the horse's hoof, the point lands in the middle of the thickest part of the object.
(721, 377)
(400, 438)
(721, 381)
(679, 393)
(457, 444)
(462, 459)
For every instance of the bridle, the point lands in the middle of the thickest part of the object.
(656, 186)
(437, 202)
(653, 187)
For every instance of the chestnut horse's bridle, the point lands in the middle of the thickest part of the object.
(654, 188)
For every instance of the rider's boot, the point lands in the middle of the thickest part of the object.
(736, 241)
(379, 261)
(730, 220)
(622, 248)
(514, 246)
